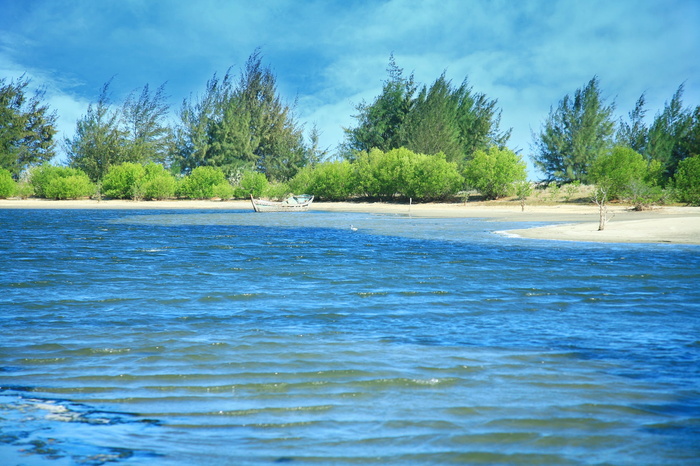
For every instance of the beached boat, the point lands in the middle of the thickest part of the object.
(293, 203)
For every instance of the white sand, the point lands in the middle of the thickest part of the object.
(661, 225)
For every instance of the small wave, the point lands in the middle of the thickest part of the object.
(507, 234)
(36, 418)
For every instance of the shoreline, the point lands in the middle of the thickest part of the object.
(573, 222)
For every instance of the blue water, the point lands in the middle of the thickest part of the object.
(178, 338)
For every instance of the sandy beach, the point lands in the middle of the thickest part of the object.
(571, 222)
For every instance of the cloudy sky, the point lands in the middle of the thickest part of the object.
(330, 55)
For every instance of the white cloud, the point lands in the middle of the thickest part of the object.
(332, 55)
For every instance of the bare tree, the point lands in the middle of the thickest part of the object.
(600, 198)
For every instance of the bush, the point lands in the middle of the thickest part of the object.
(432, 177)
(302, 181)
(251, 184)
(157, 182)
(687, 180)
(43, 181)
(124, 181)
(620, 170)
(223, 191)
(161, 187)
(7, 184)
(495, 173)
(69, 187)
(329, 181)
(382, 174)
(24, 190)
(277, 190)
(135, 181)
(200, 183)
(404, 173)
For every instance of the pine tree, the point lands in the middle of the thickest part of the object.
(27, 127)
(380, 123)
(431, 126)
(634, 134)
(669, 129)
(439, 118)
(575, 134)
(99, 141)
(150, 137)
(242, 126)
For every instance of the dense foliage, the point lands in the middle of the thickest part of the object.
(621, 169)
(687, 181)
(329, 181)
(625, 174)
(413, 141)
(136, 132)
(575, 133)
(251, 184)
(496, 172)
(395, 174)
(135, 181)
(440, 118)
(7, 184)
(403, 173)
(53, 182)
(580, 131)
(242, 126)
(27, 127)
(202, 183)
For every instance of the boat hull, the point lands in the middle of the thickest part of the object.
(291, 204)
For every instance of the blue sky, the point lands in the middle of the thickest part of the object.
(330, 55)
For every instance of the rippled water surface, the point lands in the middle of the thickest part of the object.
(177, 338)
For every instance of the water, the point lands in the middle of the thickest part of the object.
(178, 338)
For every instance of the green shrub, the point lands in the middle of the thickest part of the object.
(302, 181)
(381, 174)
(643, 195)
(24, 190)
(135, 181)
(432, 177)
(161, 187)
(687, 180)
(124, 181)
(330, 181)
(401, 172)
(619, 170)
(7, 184)
(44, 178)
(223, 191)
(70, 187)
(200, 183)
(495, 173)
(251, 184)
(158, 183)
(277, 190)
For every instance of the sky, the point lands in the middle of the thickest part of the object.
(329, 56)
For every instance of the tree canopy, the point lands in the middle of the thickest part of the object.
(495, 172)
(27, 127)
(575, 133)
(107, 135)
(240, 126)
(439, 118)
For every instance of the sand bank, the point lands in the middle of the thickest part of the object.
(574, 222)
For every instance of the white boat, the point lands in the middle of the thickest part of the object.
(293, 203)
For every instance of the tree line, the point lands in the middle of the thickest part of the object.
(411, 141)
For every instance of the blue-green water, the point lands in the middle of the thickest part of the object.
(163, 337)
